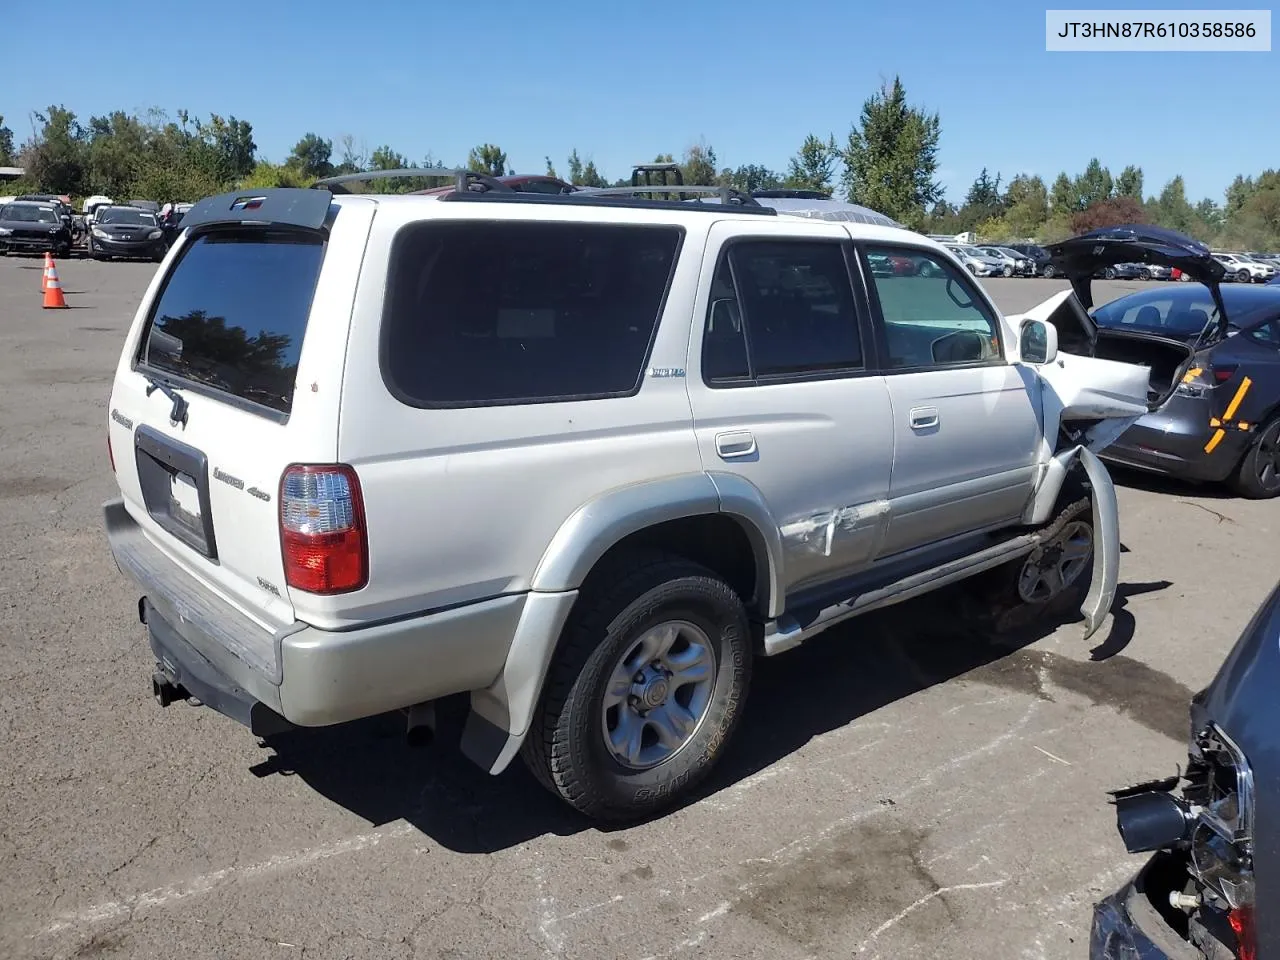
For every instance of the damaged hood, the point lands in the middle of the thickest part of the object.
(1081, 257)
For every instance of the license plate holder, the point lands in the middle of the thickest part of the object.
(174, 477)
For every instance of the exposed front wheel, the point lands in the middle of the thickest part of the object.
(645, 690)
(1046, 583)
(1244, 276)
(1145, 274)
(1258, 476)
(1049, 272)
(1008, 270)
(973, 269)
(1109, 273)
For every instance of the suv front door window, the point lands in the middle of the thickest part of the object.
(965, 421)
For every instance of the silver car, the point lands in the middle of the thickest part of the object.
(976, 262)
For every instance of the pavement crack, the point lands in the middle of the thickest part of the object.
(1222, 517)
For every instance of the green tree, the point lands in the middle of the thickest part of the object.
(752, 177)
(311, 156)
(384, 158)
(983, 201)
(7, 153)
(1172, 209)
(1108, 213)
(575, 168)
(699, 166)
(1026, 205)
(353, 158)
(1238, 193)
(1064, 199)
(232, 143)
(551, 169)
(489, 159)
(891, 157)
(1094, 185)
(57, 158)
(1129, 183)
(814, 166)
(591, 177)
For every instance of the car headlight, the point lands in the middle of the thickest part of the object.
(100, 233)
(5, 232)
(155, 234)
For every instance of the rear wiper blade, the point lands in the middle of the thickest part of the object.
(178, 414)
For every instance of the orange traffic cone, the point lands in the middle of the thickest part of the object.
(44, 276)
(53, 298)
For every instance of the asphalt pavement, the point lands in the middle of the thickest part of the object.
(904, 787)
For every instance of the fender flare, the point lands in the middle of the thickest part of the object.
(502, 712)
(1106, 527)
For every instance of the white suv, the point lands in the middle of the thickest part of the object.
(583, 457)
(1244, 268)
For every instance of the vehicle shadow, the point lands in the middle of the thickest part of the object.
(830, 682)
(1168, 486)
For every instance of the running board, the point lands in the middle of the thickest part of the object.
(788, 631)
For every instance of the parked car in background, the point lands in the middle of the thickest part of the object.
(1245, 269)
(1041, 257)
(1015, 264)
(975, 261)
(1213, 831)
(1222, 423)
(1122, 271)
(1154, 271)
(1028, 267)
(34, 227)
(128, 232)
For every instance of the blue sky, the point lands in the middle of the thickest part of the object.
(750, 78)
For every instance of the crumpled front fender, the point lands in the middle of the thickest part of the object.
(1106, 527)
(1106, 543)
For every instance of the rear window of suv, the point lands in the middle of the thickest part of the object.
(232, 314)
(481, 312)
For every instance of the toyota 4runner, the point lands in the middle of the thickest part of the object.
(583, 457)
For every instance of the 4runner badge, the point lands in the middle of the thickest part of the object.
(666, 371)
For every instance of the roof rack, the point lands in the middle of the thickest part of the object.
(648, 169)
(789, 193)
(727, 195)
(464, 180)
(614, 197)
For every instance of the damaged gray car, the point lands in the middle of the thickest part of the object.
(1213, 830)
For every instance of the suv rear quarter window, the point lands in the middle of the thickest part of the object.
(480, 313)
(232, 314)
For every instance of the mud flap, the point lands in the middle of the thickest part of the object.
(1106, 543)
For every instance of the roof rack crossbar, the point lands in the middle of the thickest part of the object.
(607, 197)
(726, 194)
(462, 178)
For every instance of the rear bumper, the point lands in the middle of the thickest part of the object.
(1172, 441)
(1126, 926)
(311, 677)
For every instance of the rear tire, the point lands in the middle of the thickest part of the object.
(1049, 272)
(1109, 273)
(1008, 271)
(645, 691)
(1258, 476)
(1244, 276)
(1145, 274)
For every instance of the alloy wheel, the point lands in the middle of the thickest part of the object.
(657, 694)
(1052, 567)
(1267, 462)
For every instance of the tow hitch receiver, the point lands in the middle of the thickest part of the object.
(165, 690)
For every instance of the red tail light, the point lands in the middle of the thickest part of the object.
(1242, 922)
(322, 529)
(1225, 373)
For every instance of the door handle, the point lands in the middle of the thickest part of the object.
(738, 443)
(924, 417)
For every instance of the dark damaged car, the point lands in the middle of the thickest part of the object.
(1213, 831)
(33, 227)
(128, 232)
(1222, 422)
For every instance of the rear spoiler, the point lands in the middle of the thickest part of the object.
(280, 206)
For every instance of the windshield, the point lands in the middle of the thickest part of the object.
(127, 215)
(972, 252)
(21, 213)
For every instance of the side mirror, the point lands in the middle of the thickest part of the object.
(1038, 343)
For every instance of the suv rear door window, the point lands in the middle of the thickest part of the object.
(781, 309)
(233, 312)
(481, 313)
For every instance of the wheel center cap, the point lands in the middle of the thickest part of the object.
(655, 692)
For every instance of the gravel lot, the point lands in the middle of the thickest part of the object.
(901, 788)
